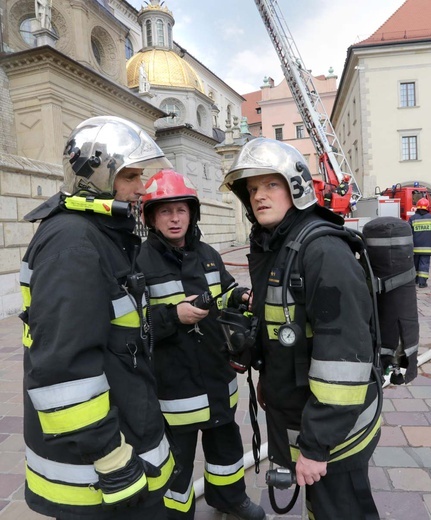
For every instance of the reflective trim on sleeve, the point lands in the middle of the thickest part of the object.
(364, 419)
(411, 350)
(422, 250)
(125, 311)
(224, 475)
(342, 395)
(336, 371)
(180, 501)
(233, 392)
(160, 290)
(71, 392)
(75, 417)
(213, 278)
(25, 273)
(123, 494)
(191, 410)
(161, 457)
(359, 447)
(62, 493)
(84, 474)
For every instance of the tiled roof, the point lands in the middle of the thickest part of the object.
(411, 21)
(250, 104)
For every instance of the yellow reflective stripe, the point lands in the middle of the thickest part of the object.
(329, 393)
(174, 299)
(62, 494)
(26, 296)
(294, 453)
(75, 417)
(128, 320)
(275, 314)
(112, 498)
(224, 480)
(155, 483)
(183, 507)
(357, 448)
(27, 340)
(180, 419)
(215, 289)
(233, 399)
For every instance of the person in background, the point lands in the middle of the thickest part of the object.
(315, 385)
(198, 389)
(421, 226)
(94, 432)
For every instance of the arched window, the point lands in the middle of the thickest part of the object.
(28, 25)
(129, 48)
(160, 33)
(149, 31)
(95, 46)
(170, 42)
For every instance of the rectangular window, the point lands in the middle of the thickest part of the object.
(407, 94)
(300, 131)
(279, 134)
(409, 150)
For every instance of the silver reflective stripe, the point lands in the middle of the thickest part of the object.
(389, 242)
(233, 386)
(189, 404)
(123, 306)
(213, 278)
(387, 352)
(274, 296)
(65, 394)
(293, 435)
(157, 456)
(364, 419)
(216, 469)
(354, 372)
(180, 497)
(411, 350)
(69, 473)
(25, 273)
(166, 289)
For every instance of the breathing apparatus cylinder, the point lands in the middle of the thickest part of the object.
(89, 203)
(390, 248)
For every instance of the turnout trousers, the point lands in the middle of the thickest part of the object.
(422, 266)
(224, 484)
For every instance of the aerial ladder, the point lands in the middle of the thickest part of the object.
(338, 190)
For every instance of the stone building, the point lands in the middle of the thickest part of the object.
(74, 61)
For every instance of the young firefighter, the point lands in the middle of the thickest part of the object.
(198, 389)
(314, 411)
(421, 226)
(94, 433)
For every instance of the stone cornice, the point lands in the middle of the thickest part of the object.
(16, 163)
(184, 130)
(22, 62)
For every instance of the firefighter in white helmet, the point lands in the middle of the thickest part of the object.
(197, 388)
(94, 432)
(315, 385)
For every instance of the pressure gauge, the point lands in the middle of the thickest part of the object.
(288, 334)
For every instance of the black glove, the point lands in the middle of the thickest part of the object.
(122, 477)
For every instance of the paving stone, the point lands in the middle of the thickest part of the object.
(417, 435)
(410, 479)
(405, 419)
(421, 392)
(388, 405)
(11, 425)
(393, 457)
(392, 436)
(421, 455)
(8, 484)
(394, 505)
(397, 392)
(379, 479)
(410, 405)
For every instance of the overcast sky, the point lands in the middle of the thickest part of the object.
(229, 38)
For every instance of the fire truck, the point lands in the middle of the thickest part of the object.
(337, 189)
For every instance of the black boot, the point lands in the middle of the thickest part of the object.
(247, 510)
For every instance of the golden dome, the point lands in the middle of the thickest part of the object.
(163, 68)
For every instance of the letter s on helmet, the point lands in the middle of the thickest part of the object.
(100, 147)
(170, 186)
(263, 156)
(423, 204)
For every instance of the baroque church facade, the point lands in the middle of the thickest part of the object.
(64, 61)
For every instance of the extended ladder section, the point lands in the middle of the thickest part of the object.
(306, 96)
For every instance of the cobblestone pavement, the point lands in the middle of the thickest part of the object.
(400, 468)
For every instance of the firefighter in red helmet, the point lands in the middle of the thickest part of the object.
(421, 226)
(197, 388)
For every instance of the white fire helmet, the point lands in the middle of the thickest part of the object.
(100, 147)
(263, 156)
